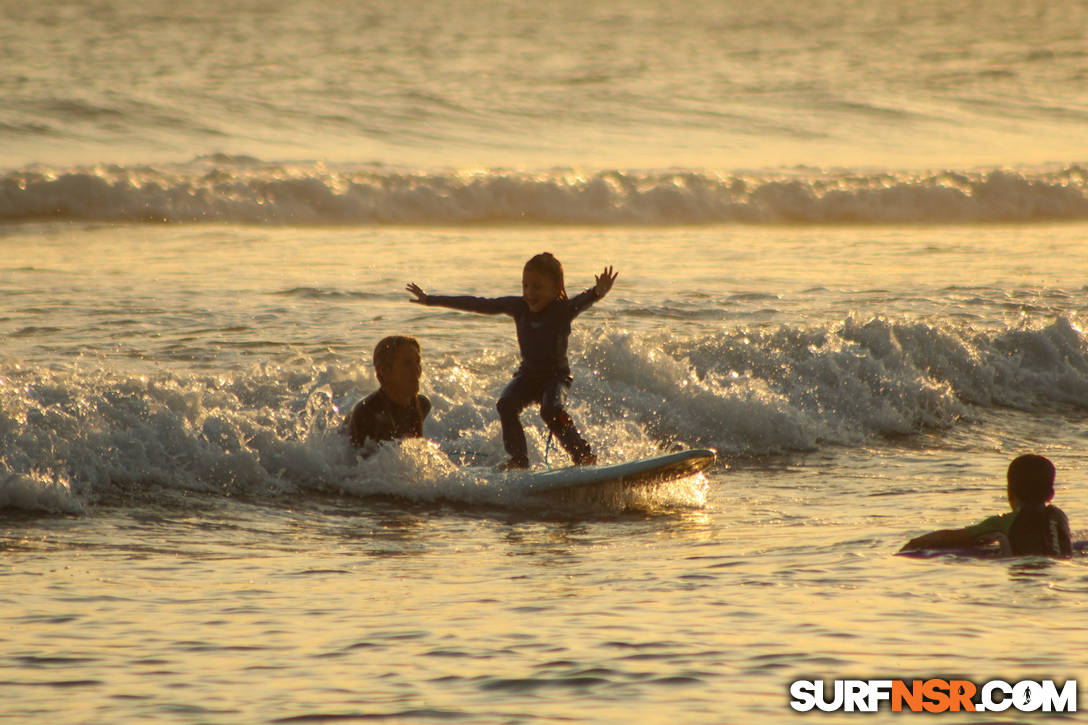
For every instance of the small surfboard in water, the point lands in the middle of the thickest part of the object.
(658, 469)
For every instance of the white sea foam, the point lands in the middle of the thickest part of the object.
(30, 493)
(72, 437)
(245, 191)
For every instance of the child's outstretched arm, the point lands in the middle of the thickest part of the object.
(484, 305)
(943, 539)
(605, 280)
(421, 296)
(582, 300)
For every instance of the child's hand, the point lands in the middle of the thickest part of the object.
(421, 296)
(605, 280)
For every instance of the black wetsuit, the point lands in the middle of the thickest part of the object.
(544, 374)
(1044, 532)
(377, 418)
(1039, 530)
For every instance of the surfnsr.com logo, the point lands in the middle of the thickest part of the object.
(933, 695)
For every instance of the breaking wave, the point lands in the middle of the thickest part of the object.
(243, 190)
(69, 438)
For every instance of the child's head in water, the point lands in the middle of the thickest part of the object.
(1031, 481)
(398, 366)
(542, 281)
(1032, 528)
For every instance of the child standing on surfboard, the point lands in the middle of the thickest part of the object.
(542, 317)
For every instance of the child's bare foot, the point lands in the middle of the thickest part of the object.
(514, 464)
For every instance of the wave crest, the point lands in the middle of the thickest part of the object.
(68, 438)
(245, 191)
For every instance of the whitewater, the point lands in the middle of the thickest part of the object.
(850, 244)
(248, 191)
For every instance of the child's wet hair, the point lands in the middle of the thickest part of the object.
(386, 350)
(547, 265)
(1031, 479)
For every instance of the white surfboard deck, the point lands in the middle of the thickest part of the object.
(658, 469)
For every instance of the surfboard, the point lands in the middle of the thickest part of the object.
(653, 470)
(966, 552)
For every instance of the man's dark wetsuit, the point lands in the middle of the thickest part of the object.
(377, 418)
(544, 375)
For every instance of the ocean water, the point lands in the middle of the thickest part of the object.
(850, 242)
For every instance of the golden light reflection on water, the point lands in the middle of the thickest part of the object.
(245, 608)
(786, 256)
(787, 573)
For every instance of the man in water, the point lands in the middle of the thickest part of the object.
(396, 410)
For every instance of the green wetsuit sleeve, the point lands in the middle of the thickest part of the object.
(1000, 524)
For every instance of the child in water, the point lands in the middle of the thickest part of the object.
(396, 410)
(1031, 528)
(542, 317)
